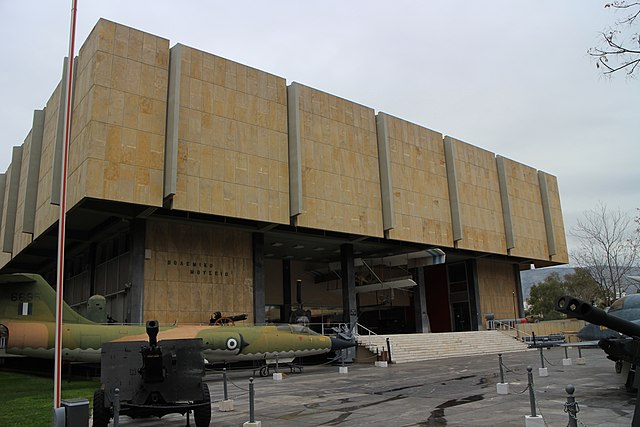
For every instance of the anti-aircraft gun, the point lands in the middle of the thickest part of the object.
(153, 379)
(624, 350)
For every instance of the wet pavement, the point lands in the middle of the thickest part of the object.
(452, 392)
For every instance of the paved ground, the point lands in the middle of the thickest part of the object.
(452, 392)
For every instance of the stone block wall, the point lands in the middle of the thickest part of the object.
(526, 211)
(117, 139)
(419, 184)
(190, 271)
(232, 138)
(339, 164)
(480, 207)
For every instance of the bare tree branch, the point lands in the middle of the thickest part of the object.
(620, 52)
(607, 248)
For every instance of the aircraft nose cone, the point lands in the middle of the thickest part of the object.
(339, 344)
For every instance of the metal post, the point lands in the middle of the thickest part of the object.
(501, 370)
(566, 356)
(252, 394)
(571, 407)
(277, 363)
(541, 358)
(579, 352)
(532, 397)
(224, 383)
(389, 351)
(116, 407)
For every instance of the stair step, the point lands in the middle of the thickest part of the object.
(418, 347)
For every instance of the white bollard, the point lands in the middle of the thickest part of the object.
(226, 406)
(581, 361)
(344, 369)
(503, 388)
(381, 364)
(543, 372)
(252, 424)
(536, 421)
(277, 376)
(566, 362)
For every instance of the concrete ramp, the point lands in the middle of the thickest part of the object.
(417, 347)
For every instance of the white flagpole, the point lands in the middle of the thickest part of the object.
(57, 378)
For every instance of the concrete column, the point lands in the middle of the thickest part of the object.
(546, 209)
(286, 290)
(3, 188)
(173, 120)
(33, 172)
(12, 200)
(56, 178)
(384, 165)
(349, 303)
(420, 302)
(135, 312)
(452, 181)
(258, 279)
(506, 202)
(295, 150)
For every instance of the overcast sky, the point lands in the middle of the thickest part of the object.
(510, 77)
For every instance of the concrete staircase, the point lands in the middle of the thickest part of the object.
(417, 347)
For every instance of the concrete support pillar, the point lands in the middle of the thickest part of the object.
(286, 290)
(135, 311)
(420, 302)
(349, 303)
(258, 279)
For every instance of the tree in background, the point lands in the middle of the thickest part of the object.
(543, 297)
(620, 45)
(579, 284)
(607, 249)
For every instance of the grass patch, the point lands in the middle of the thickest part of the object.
(27, 400)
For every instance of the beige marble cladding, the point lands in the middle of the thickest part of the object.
(46, 213)
(561, 255)
(193, 270)
(480, 204)
(340, 174)
(419, 179)
(22, 240)
(117, 140)
(527, 216)
(232, 140)
(5, 257)
(496, 287)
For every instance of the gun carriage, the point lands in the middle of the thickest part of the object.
(153, 378)
(624, 350)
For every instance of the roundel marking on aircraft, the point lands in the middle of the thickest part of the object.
(232, 344)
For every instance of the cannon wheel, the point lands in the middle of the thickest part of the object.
(225, 321)
(202, 415)
(264, 371)
(101, 415)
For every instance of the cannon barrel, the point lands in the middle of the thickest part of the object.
(585, 311)
(152, 330)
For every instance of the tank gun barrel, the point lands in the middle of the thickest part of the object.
(152, 331)
(577, 308)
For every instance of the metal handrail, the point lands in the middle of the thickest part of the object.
(369, 331)
(508, 326)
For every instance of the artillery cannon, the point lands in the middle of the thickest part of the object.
(153, 378)
(624, 350)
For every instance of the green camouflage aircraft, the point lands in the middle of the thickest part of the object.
(27, 319)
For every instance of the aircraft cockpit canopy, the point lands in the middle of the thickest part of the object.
(297, 329)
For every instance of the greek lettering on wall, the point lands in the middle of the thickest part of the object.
(200, 268)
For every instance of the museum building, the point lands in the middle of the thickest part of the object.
(197, 184)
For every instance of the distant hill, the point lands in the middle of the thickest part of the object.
(532, 277)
